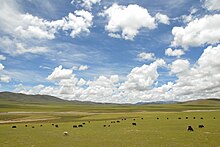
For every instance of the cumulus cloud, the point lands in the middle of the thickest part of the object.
(81, 82)
(137, 87)
(87, 4)
(120, 18)
(79, 22)
(14, 48)
(141, 78)
(83, 67)
(203, 79)
(34, 27)
(175, 52)
(212, 5)
(3, 78)
(2, 57)
(179, 66)
(190, 17)
(60, 73)
(198, 32)
(162, 18)
(21, 30)
(146, 56)
(18, 24)
(103, 89)
(1, 67)
(80, 68)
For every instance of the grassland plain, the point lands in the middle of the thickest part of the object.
(149, 131)
(166, 131)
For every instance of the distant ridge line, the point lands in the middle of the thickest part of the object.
(21, 97)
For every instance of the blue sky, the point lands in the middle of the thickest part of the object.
(111, 50)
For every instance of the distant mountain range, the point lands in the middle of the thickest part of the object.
(41, 99)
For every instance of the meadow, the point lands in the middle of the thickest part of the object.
(156, 125)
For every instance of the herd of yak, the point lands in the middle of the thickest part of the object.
(189, 128)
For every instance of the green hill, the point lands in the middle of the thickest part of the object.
(23, 98)
(10, 102)
(211, 101)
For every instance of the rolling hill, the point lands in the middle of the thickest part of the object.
(23, 98)
(44, 99)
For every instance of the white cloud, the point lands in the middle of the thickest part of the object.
(198, 32)
(3, 78)
(25, 25)
(203, 79)
(102, 89)
(2, 57)
(1, 67)
(83, 67)
(212, 5)
(13, 47)
(175, 52)
(146, 56)
(33, 27)
(9, 17)
(190, 17)
(120, 18)
(87, 4)
(142, 78)
(25, 33)
(81, 82)
(60, 73)
(162, 18)
(179, 66)
(80, 22)
(36, 89)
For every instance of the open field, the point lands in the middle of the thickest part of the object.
(166, 131)
(149, 131)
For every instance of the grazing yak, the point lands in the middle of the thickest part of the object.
(186, 117)
(104, 125)
(190, 128)
(83, 123)
(80, 126)
(32, 126)
(14, 127)
(134, 124)
(25, 125)
(74, 126)
(118, 121)
(201, 126)
(65, 133)
(56, 126)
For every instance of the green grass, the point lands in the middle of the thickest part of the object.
(150, 131)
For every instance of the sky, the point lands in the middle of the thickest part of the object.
(111, 51)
